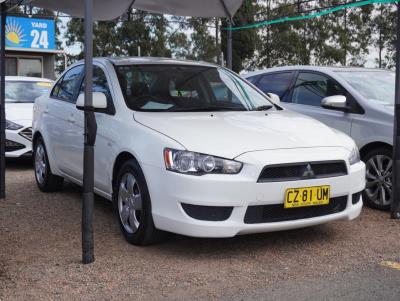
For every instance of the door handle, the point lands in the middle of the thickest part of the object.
(71, 119)
(46, 110)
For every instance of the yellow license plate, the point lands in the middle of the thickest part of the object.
(307, 196)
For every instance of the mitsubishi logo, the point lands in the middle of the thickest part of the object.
(308, 172)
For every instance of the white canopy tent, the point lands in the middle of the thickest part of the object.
(111, 9)
(92, 10)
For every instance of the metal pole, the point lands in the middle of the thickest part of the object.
(218, 49)
(3, 8)
(396, 132)
(65, 61)
(229, 46)
(90, 139)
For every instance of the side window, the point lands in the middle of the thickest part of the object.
(277, 83)
(100, 84)
(56, 89)
(311, 88)
(67, 87)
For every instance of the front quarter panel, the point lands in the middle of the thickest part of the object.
(373, 126)
(145, 144)
(41, 125)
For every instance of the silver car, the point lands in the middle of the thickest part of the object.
(356, 101)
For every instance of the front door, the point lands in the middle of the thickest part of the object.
(309, 90)
(63, 131)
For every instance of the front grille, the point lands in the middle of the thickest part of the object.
(207, 213)
(12, 146)
(27, 133)
(302, 171)
(277, 213)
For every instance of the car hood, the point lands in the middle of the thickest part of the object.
(230, 134)
(20, 113)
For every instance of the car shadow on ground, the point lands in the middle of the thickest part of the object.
(184, 247)
(178, 245)
(19, 164)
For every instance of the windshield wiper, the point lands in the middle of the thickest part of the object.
(204, 109)
(263, 108)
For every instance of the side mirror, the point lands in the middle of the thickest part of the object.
(275, 98)
(336, 102)
(99, 101)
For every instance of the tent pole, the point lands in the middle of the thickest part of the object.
(90, 138)
(396, 133)
(229, 36)
(229, 46)
(3, 8)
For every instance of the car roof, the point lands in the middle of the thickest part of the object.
(314, 68)
(27, 79)
(153, 61)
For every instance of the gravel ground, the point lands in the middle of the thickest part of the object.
(40, 252)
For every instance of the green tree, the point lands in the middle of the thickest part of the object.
(159, 30)
(243, 41)
(340, 38)
(134, 33)
(384, 26)
(203, 43)
(350, 35)
(104, 37)
(284, 43)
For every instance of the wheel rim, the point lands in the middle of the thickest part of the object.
(40, 164)
(379, 180)
(129, 203)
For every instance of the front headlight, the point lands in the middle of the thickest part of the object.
(354, 156)
(13, 126)
(198, 164)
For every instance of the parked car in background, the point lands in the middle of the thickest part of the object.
(192, 148)
(356, 101)
(21, 93)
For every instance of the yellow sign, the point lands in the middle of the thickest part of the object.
(307, 196)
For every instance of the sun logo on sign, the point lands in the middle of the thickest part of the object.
(14, 33)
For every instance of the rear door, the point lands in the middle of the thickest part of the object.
(307, 93)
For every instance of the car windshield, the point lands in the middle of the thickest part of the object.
(25, 91)
(161, 88)
(377, 86)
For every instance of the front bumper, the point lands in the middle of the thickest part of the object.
(19, 143)
(169, 190)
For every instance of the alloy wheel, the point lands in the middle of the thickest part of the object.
(379, 180)
(40, 164)
(129, 203)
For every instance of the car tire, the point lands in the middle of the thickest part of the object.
(378, 191)
(133, 206)
(45, 180)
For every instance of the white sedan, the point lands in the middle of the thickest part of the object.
(192, 148)
(21, 93)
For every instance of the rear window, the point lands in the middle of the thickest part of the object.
(25, 91)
